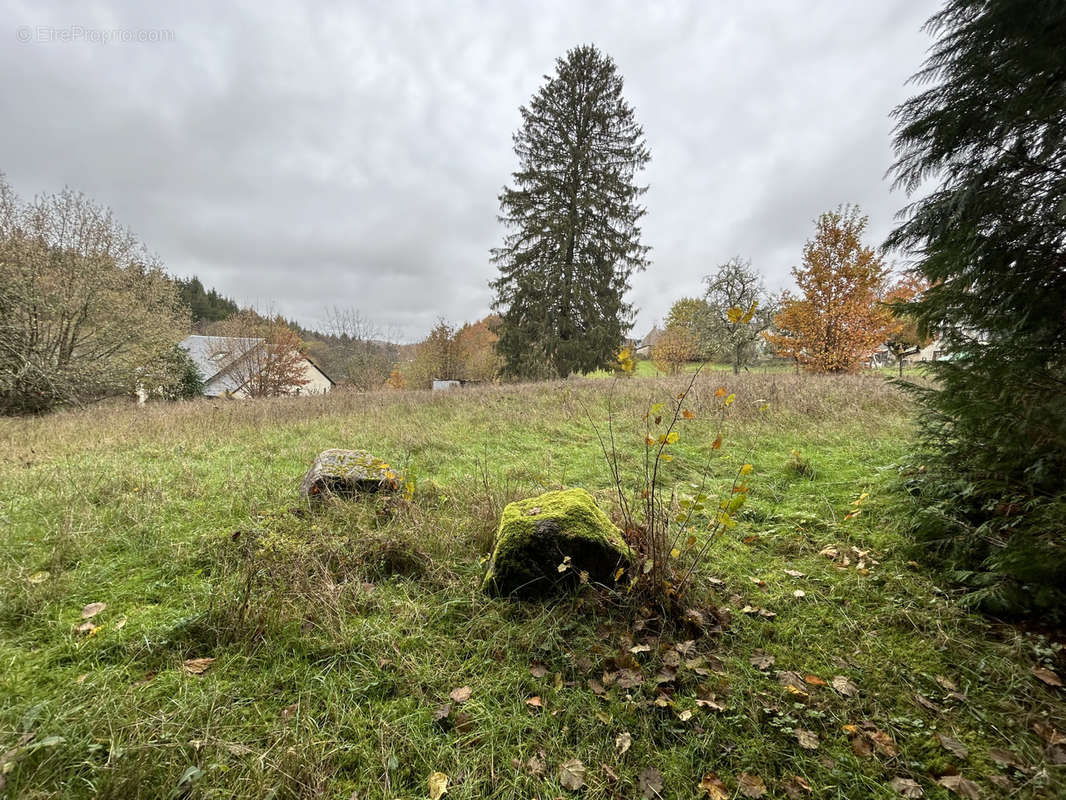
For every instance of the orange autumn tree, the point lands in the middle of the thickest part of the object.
(905, 338)
(839, 320)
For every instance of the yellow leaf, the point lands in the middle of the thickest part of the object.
(666, 457)
(672, 437)
(729, 400)
(746, 469)
(750, 313)
(438, 785)
(675, 553)
(621, 571)
(734, 314)
(649, 440)
(714, 787)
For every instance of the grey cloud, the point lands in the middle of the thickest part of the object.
(301, 156)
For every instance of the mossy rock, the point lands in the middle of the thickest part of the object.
(538, 534)
(346, 473)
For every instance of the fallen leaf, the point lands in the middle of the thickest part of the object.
(40, 577)
(799, 593)
(714, 787)
(1047, 676)
(538, 670)
(795, 573)
(926, 703)
(953, 746)
(961, 786)
(438, 785)
(845, 685)
(860, 746)
(761, 660)
(596, 686)
(623, 741)
(85, 627)
(1005, 758)
(639, 648)
(650, 781)
(795, 787)
(289, 712)
(791, 679)
(119, 623)
(711, 704)
(461, 695)
(814, 680)
(535, 702)
(442, 712)
(685, 715)
(572, 774)
(197, 666)
(808, 740)
(829, 552)
(537, 767)
(751, 785)
(883, 742)
(906, 787)
(1001, 782)
(92, 610)
(1048, 733)
(946, 683)
(629, 679)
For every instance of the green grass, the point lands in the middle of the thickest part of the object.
(338, 633)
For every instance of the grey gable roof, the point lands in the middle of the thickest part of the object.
(203, 351)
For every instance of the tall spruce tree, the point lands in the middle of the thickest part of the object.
(991, 240)
(573, 214)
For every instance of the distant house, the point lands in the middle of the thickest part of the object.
(224, 363)
(649, 341)
(931, 352)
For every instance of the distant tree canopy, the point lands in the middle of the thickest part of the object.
(204, 306)
(905, 337)
(83, 308)
(464, 354)
(989, 239)
(690, 319)
(839, 320)
(740, 310)
(573, 214)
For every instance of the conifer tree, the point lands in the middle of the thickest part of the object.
(572, 214)
(990, 127)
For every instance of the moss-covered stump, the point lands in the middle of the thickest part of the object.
(346, 473)
(537, 536)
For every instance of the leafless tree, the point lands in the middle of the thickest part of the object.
(740, 310)
(357, 351)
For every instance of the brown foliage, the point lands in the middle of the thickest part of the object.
(674, 348)
(839, 320)
(83, 308)
(265, 356)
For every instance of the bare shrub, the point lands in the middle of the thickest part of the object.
(83, 307)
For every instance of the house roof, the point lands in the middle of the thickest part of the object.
(213, 355)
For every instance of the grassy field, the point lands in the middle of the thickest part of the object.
(337, 635)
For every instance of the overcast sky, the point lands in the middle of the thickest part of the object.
(301, 155)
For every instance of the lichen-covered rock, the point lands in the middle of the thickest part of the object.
(346, 473)
(538, 535)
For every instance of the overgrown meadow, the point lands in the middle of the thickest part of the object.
(174, 622)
